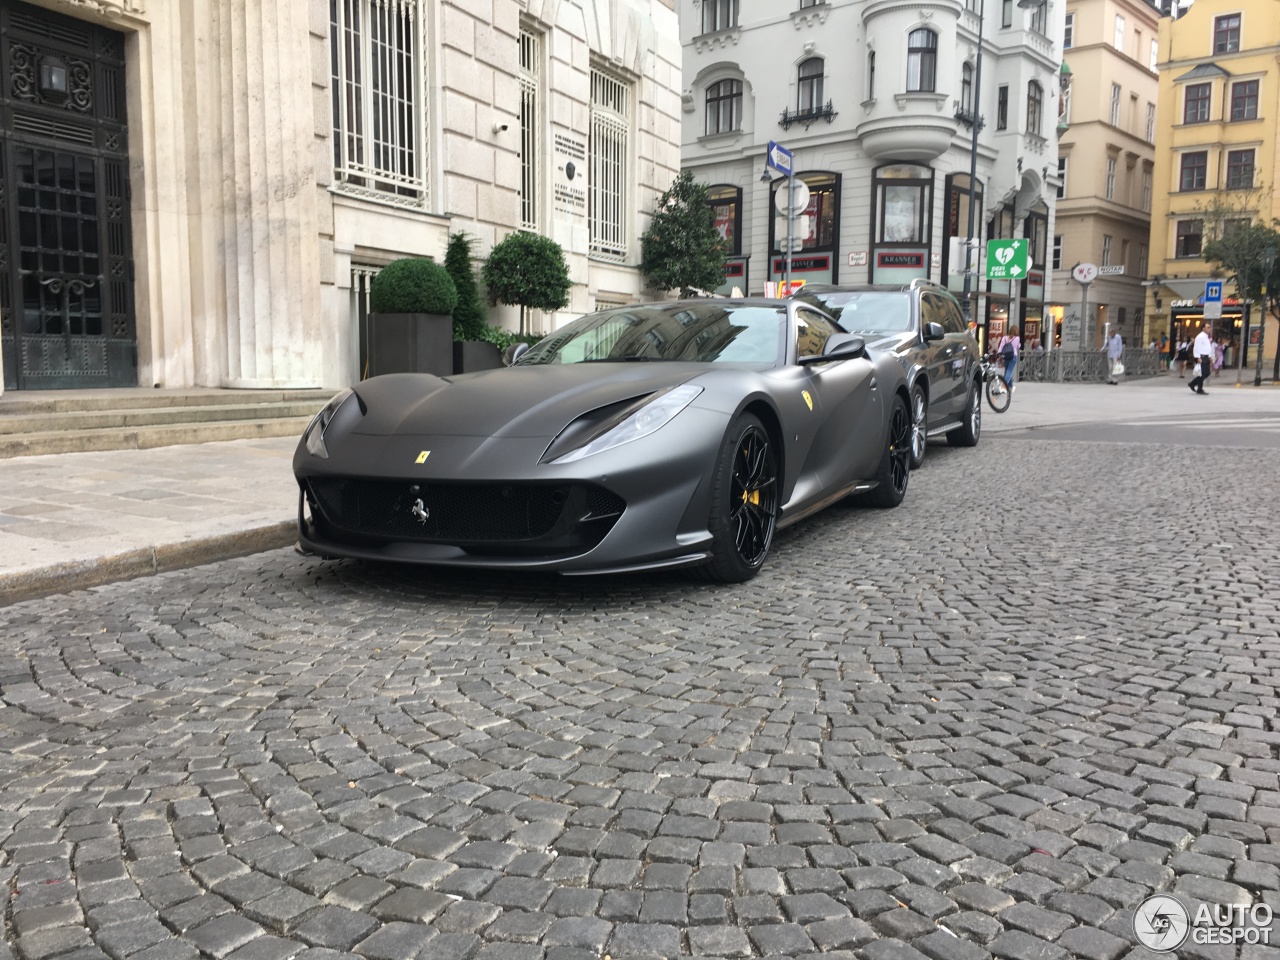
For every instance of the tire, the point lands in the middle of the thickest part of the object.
(998, 394)
(919, 426)
(895, 463)
(744, 503)
(968, 433)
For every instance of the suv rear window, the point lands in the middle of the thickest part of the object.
(865, 311)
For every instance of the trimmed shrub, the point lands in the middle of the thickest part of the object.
(413, 285)
(528, 270)
(469, 317)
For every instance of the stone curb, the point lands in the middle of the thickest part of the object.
(160, 558)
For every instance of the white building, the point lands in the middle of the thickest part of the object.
(875, 99)
(229, 174)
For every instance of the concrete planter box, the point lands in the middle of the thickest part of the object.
(410, 343)
(472, 355)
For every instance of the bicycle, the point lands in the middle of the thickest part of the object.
(998, 392)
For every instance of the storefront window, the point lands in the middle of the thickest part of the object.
(726, 211)
(904, 199)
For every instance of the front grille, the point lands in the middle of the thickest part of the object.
(465, 513)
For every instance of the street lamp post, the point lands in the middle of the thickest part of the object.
(1268, 262)
(971, 260)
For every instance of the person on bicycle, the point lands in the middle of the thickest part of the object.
(1008, 348)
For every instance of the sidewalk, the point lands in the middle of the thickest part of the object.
(76, 520)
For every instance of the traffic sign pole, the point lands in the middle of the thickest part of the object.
(791, 222)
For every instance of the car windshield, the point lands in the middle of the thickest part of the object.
(702, 332)
(865, 311)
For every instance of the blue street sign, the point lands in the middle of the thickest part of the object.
(1213, 291)
(778, 158)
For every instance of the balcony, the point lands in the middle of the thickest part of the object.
(919, 129)
(808, 117)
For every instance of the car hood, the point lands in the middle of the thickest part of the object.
(520, 401)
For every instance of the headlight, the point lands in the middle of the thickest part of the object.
(314, 434)
(634, 422)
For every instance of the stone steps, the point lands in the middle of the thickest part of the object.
(76, 421)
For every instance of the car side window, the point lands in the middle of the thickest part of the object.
(929, 311)
(953, 321)
(813, 330)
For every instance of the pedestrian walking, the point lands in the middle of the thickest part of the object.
(1008, 349)
(1183, 357)
(1115, 353)
(1202, 356)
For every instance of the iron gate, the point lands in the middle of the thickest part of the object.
(66, 273)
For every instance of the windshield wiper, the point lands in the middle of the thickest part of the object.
(622, 360)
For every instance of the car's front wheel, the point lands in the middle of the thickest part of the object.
(919, 426)
(744, 502)
(967, 434)
(895, 462)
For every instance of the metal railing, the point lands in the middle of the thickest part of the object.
(1088, 366)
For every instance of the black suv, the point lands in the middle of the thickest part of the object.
(922, 324)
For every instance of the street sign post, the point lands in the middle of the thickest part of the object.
(779, 158)
(1007, 259)
(1213, 300)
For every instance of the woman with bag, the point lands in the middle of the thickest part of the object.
(1008, 350)
(1183, 357)
(1115, 356)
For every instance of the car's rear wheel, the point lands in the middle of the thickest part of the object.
(895, 463)
(967, 434)
(919, 426)
(744, 502)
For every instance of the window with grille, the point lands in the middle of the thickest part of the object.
(530, 128)
(1226, 33)
(1239, 169)
(922, 60)
(1189, 236)
(724, 107)
(378, 96)
(610, 139)
(1244, 100)
(1195, 166)
(1035, 107)
(809, 85)
(1195, 106)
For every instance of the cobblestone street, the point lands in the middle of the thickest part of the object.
(987, 723)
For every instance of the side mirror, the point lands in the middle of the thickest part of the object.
(933, 331)
(846, 346)
(514, 353)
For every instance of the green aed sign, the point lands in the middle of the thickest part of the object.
(1007, 259)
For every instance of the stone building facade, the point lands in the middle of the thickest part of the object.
(1106, 163)
(877, 100)
(239, 169)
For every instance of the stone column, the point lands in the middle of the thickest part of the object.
(269, 233)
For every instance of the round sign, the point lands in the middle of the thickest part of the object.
(1161, 922)
(800, 200)
(1085, 272)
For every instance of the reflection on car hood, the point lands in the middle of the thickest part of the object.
(520, 401)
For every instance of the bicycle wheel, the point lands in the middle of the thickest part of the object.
(998, 394)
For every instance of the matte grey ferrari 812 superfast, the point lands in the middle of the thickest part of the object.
(659, 435)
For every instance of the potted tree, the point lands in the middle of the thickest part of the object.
(471, 349)
(528, 270)
(411, 305)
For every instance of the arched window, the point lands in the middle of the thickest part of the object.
(809, 86)
(966, 88)
(922, 61)
(724, 107)
(1035, 107)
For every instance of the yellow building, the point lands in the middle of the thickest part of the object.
(1215, 158)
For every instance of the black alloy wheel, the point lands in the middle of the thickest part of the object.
(895, 464)
(744, 502)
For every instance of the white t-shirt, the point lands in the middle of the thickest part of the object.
(1203, 347)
